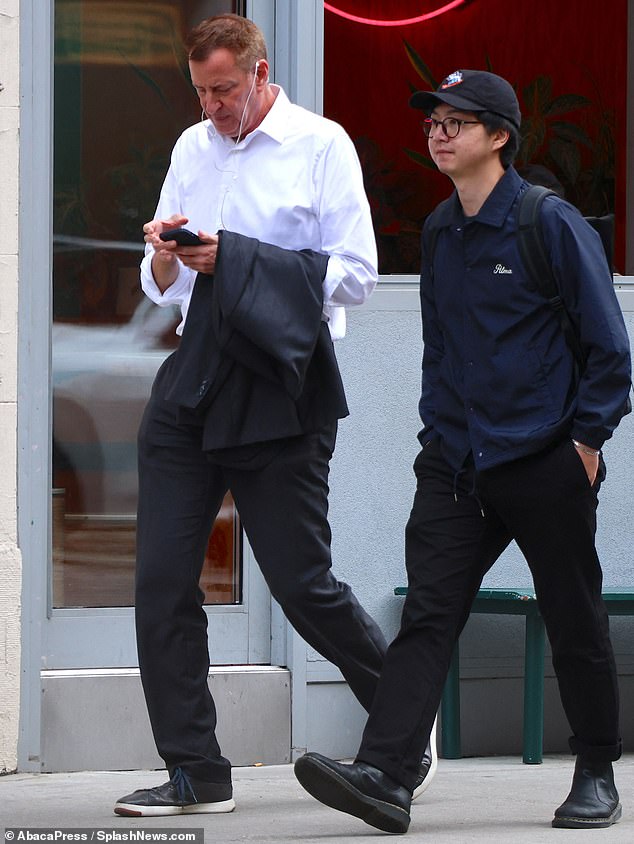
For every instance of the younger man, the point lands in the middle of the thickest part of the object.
(511, 450)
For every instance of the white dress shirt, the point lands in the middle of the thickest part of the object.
(295, 182)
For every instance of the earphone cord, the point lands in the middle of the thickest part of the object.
(238, 138)
(244, 110)
(203, 117)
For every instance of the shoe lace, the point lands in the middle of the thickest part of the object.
(180, 779)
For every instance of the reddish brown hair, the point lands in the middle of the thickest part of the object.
(237, 34)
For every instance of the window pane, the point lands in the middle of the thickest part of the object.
(568, 63)
(122, 97)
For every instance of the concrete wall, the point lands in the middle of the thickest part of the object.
(97, 720)
(10, 563)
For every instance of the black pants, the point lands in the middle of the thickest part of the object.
(282, 497)
(547, 505)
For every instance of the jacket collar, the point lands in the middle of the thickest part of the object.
(495, 210)
(499, 202)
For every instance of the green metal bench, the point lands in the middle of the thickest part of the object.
(514, 602)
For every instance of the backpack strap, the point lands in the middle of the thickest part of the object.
(537, 263)
(531, 242)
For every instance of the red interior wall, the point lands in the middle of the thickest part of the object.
(580, 44)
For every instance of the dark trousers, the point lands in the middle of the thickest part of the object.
(457, 529)
(281, 493)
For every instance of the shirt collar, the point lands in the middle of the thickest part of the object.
(273, 124)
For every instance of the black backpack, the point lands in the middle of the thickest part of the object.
(535, 259)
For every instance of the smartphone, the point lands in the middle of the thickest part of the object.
(182, 236)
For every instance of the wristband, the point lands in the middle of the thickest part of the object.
(584, 450)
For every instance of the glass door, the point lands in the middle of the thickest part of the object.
(122, 96)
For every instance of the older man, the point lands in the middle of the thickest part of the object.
(250, 400)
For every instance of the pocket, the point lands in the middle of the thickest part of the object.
(430, 451)
(580, 467)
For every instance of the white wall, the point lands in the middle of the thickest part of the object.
(10, 562)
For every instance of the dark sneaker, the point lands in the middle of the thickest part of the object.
(428, 765)
(182, 795)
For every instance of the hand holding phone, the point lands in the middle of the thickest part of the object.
(183, 237)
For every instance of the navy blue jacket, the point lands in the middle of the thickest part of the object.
(498, 376)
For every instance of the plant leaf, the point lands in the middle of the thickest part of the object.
(419, 66)
(533, 132)
(147, 79)
(419, 158)
(180, 57)
(571, 132)
(567, 158)
(566, 102)
(537, 93)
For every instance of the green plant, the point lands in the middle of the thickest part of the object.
(546, 138)
(397, 204)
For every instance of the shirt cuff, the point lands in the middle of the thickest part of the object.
(175, 293)
(347, 282)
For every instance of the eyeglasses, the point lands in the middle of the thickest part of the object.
(450, 126)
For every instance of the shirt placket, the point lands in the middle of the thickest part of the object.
(470, 357)
(227, 187)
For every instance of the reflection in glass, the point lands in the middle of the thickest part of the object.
(574, 102)
(122, 97)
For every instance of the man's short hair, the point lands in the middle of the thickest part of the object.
(232, 32)
(492, 122)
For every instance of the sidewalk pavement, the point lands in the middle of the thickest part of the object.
(493, 799)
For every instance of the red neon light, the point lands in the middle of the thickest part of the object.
(374, 22)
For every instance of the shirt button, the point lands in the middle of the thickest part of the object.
(479, 454)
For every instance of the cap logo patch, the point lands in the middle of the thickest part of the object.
(454, 78)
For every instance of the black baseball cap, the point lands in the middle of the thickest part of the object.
(473, 90)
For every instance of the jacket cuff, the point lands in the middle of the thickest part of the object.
(591, 439)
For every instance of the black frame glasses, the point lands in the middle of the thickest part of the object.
(450, 126)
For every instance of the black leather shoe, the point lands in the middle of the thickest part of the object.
(181, 795)
(358, 789)
(593, 801)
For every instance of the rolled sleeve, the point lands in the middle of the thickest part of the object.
(176, 293)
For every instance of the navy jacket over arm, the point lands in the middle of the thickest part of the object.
(256, 362)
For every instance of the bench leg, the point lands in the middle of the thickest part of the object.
(534, 689)
(450, 710)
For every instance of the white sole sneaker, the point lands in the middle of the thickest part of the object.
(134, 811)
(426, 781)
